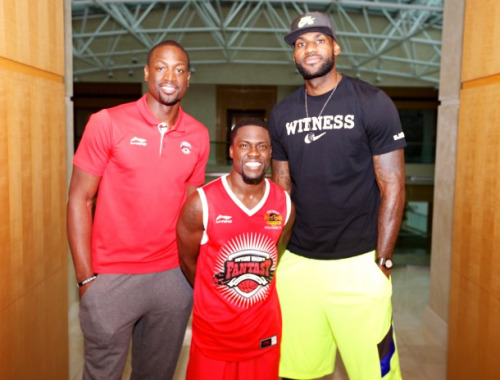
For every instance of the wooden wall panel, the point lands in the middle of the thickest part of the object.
(35, 180)
(474, 332)
(480, 47)
(31, 32)
(474, 328)
(477, 199)
(33, 338)
(33, 248)
(33, 269)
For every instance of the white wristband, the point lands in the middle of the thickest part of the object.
(87, 280)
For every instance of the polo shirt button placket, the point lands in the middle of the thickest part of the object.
(162, 128)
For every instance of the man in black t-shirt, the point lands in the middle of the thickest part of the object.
(338, 149)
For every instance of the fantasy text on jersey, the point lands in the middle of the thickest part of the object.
(245, 268)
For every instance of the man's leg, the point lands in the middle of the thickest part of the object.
(360, 314)
(307, 348)
(355, 297)
(159, 334)
(107, 317)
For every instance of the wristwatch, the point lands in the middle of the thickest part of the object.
(383, 262)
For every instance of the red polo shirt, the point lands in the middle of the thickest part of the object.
(144, 176)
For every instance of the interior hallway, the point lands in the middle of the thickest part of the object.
(422, 356)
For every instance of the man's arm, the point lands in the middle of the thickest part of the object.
(190, 190)
(286, 233)
(390, 175)
(281, 175)
(82, 190)
(189, 234)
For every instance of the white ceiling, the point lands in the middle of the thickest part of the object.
(382, 38)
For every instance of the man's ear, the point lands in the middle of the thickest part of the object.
(336, 48)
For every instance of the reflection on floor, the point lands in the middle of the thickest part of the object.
(422, 356)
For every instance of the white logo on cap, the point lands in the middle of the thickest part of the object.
(306, 20)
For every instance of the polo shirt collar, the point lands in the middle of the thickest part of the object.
(151, 119)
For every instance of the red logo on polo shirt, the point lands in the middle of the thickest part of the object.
(185, 147)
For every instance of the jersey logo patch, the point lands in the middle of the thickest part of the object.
(245, 268)
(224, 219)
(273, 219)
(269, 342)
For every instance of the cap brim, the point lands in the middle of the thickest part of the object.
(290, 38)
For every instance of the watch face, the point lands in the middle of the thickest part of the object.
(388, 264)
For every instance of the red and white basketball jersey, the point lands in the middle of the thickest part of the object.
(236, 313)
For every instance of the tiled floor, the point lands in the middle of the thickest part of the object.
(422, 356)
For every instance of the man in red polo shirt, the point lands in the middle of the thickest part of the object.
(144, 158)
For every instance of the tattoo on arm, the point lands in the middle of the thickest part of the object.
(281, 175)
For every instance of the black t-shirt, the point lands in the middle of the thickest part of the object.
(331, 165)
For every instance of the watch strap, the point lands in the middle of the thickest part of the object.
(382, 261)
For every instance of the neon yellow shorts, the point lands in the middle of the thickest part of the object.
(336, 304)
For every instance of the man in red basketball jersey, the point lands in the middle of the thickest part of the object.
(230, 234)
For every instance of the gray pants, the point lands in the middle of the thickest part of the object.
(153, 308)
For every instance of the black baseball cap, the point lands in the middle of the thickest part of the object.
(310, 22)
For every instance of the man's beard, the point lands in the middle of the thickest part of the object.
(169, 101)
(255, 180)
(324, 69)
